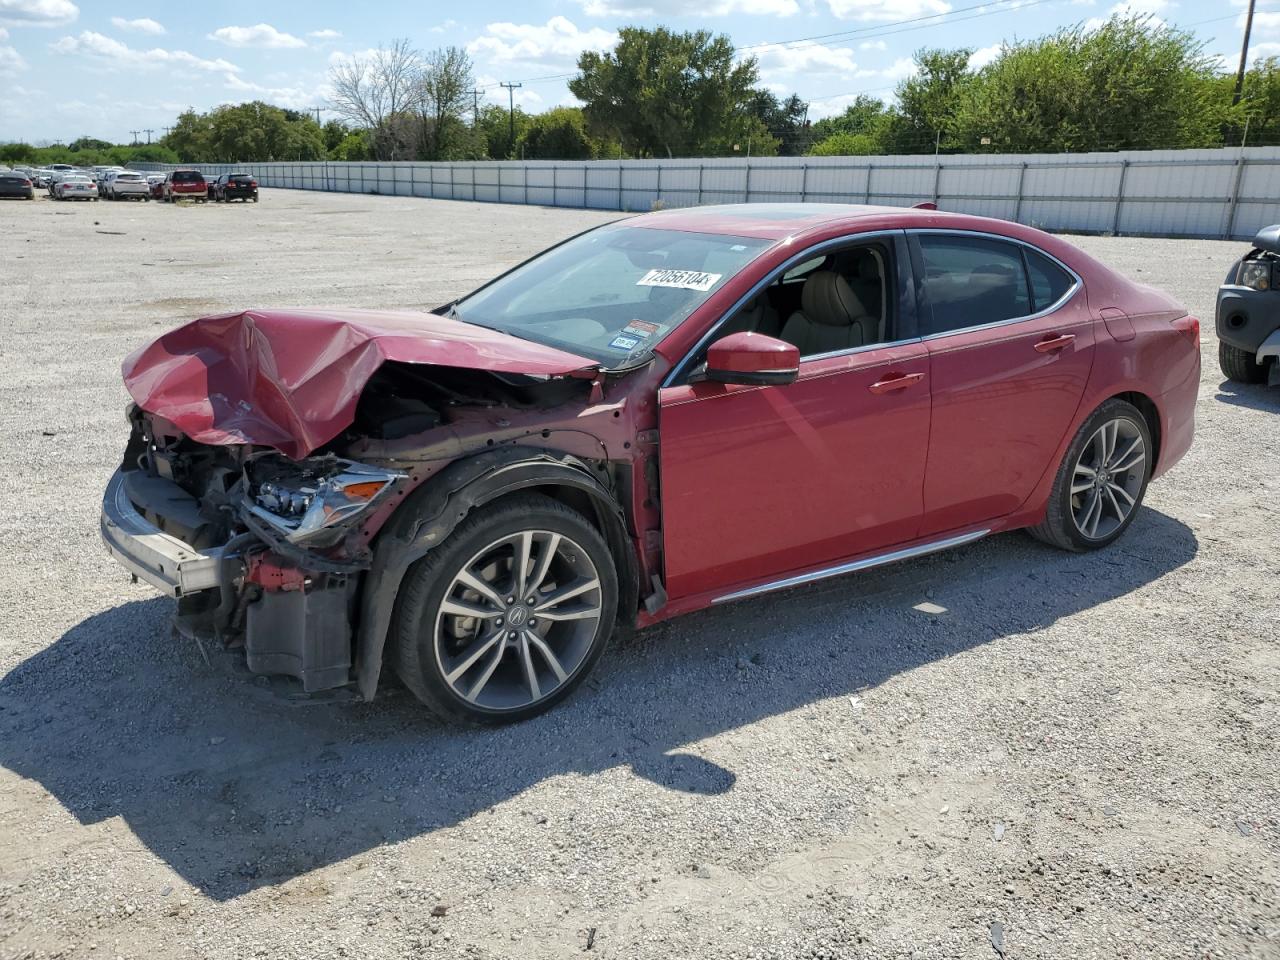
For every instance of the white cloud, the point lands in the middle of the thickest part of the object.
(298, 98)
(1264, 21)
(4, 34)
(98, 47)
(886, 9)
(11, 62)
(808, 57)
(716, 8)
(141, 25)
(981, 57)
(260, 35)
(442, 27)
(524, 96)
(37, 13)
(1263, 50)
(873, 45)
(324, 34)
(900, 69)
(556, 40)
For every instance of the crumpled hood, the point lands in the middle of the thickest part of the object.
(290, 378)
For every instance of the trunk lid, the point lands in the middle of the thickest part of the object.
(290, 378)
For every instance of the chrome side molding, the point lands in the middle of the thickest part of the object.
(866, 563)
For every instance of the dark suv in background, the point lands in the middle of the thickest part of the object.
(1248, 313)
(235, 186)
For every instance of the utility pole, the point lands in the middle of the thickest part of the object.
(1244, 55)
(511, 109)
(475, 98)
(135, 136)
(317, 110)
(148, 132)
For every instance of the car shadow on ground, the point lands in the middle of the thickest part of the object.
(1255, 396)
(237, 790)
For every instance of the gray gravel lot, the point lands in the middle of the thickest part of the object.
(1077, 759)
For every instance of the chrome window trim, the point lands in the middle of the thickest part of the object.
(800, 256)
(865, 348)
(1076, 286)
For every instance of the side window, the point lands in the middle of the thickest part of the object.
(1049, 282)
(971, 281)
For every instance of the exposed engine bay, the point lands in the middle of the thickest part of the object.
(288, 533)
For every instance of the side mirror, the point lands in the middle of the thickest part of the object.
(752, 358)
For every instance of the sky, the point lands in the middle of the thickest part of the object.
(106, 69)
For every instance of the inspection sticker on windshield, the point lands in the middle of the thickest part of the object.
(624, 343)
(642, 328)
(680, 279)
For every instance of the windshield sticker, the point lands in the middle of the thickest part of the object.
(680, 279)
(624, 343)
(643, 328)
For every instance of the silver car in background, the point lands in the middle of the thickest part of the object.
(76, 186)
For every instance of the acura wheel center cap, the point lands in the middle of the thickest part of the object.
(518, 615)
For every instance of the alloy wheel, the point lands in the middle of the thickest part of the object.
(518, 620)
(1108, 478)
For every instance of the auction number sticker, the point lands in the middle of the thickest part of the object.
(624, 343)
(680, 279)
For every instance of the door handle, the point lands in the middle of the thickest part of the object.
(900, 382)
(1054, 344)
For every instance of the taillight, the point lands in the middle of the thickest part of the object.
(254, 184)
(1189, 326)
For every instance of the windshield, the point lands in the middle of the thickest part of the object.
(613, 293)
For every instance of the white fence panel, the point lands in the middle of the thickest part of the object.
(1197, 193)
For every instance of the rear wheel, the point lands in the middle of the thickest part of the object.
(1101, 481)
(1240, 365)
(509, 615)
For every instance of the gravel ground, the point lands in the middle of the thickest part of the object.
(1078, 758)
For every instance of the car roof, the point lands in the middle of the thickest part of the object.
(776, 221)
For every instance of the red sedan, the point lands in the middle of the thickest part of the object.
(668, 412)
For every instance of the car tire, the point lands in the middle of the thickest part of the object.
(1101, 481)
(477, 669)
(1239, 365)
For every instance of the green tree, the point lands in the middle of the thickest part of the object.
(558, 134)
(663, 93)
(495, 128)
(190, 137)
(1131, 83)
(785, 120)
(11, 153)
(353, 146)
(442, 94)
(929, 102)
(1260, 105)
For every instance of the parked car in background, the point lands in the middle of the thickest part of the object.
(14, 184)
(99, 175)
(127, 185)
(58, 175)
(185, 185)
(62, 168)
(666, 413)
(41, 177)
(76, 186)
(1248, 313)
(155, 184)
(235, 186)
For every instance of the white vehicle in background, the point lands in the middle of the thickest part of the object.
(126, 185)
(98, 174)
(75, 186)
(41, 177)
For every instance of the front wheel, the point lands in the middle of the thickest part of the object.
(1239, 365)
(509, 615)
(1101, 481)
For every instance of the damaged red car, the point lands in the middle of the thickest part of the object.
(667, 412)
